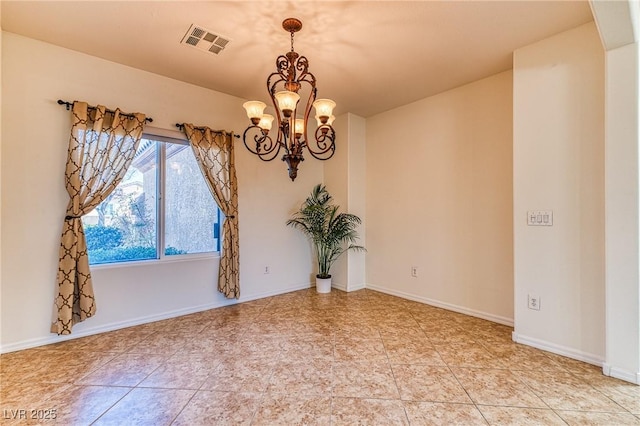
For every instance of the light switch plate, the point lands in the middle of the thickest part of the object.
(540, 218)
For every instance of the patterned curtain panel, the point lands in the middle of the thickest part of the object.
(214, 152)
(101, 148)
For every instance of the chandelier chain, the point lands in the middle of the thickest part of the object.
(292, 41)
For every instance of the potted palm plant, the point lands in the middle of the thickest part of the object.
(331, 233)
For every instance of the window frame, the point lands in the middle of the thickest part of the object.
(166, 136)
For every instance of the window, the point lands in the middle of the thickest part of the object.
(163, 201)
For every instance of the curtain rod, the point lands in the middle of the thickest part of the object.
(181, 127)
(68, 105)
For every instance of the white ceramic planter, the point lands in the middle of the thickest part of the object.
(323, 285)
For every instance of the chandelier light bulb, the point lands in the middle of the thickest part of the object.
(255, 110)
(298, 127)
(266, 122)
(287, 102)
(324, 109)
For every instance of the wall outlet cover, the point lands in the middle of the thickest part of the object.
(533, 302)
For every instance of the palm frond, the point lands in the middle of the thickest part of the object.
(331, 233)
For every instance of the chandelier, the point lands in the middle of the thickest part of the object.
(291, 77)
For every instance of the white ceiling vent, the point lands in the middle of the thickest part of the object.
(205, 40)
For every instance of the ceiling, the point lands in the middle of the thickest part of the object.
(369, 56)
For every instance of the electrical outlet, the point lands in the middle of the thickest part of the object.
(533, 302)
(267, 270)
(414, 271)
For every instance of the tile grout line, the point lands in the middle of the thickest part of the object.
(395, 380)
(476, 405)
(265, 389)
(333, 375)
(112, 405)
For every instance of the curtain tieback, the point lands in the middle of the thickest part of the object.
(231, 216)
(72, 217)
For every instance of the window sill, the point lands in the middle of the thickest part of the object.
(164, 259)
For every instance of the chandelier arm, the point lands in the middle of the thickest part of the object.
(307, 113)
(302, 65)
(305, 76)
(271, 84)
(308, 78)
(272, 81)
(282, 65)
(265, 148)
(325, 141)
(274, 154)
(285, 137)
(244, 139)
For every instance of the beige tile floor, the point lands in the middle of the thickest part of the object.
(304, 358)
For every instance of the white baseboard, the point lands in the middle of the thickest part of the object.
(339, 286)
(619, 373)
(41, 341)
(348, 288)
(558, 349)
(451, 307)
(356, 287)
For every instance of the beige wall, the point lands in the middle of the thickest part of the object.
(0, 164)
(618, 24)
(34, 142)
(622, 234)
(439, 197)
(559, 166)
(345, 177)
